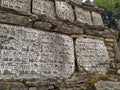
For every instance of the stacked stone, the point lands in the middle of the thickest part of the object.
(54, 45)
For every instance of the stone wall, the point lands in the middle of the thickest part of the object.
(55, 45)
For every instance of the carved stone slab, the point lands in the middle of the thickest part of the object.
(43, 7)
(28, 53)
(107, 85)
(97, 20)
(18, 5)
(92, 55)
(64, 10)
(83, 16)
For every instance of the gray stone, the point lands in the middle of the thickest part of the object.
(74, 2)
(83, 16)
(118, 72)
(42, 25)
(110, 48)
(111, 54)
(43, 7)
(92, 55)
(118, 65)
(64, 10)
(33, 88)
(109, 40)
(28, 53)
(18, 5)
(97, 19)
(15, 19)
(69, 29)
(12, 86)
(107, 85)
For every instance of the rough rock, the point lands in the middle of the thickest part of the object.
(10, 18)
(107, 85)
(118, 72)
(12, 86)
(74, 2)
(83, 16)
(42, 26)
(97, 19)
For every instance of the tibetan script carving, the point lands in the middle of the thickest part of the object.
(92, 55)
(25, 51)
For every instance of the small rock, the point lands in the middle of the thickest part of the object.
(118, 72)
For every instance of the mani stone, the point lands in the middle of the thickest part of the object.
(74, 2)
(17, 5)
(97, 19)
(43, 7)
(107, 85)
(92, 55)
(28, 53)
(83, 16)
(64, 10)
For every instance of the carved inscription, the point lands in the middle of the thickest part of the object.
(64, 10)
(43, 7)
(92, 55)
(18, 5)
(25, 51)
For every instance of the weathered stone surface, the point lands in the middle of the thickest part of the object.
(107, 85)
(64, 10)
(33, 88)
(92, 55)
(111, 54)
(75, 2)
(118, 72)
(109, 48)
(15, 19)
(28, 53)
(69, 29)
(12, 86)
(97, 20)
(18, 5)
(43, 7)
(83, 16)
(42, 25)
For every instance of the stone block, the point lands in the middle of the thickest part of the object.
(17, 5)
(111, 54)
(83, 16)
(74, 2)
(64, 10)
(42, 26)
(69, 29)
(97, 19)
(43, 7)
(33, 88)
(12, 86)
(92, 55)
(15, 19)
(29, 53)
(107, 85)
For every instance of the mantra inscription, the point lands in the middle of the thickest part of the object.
(18, 5)
(92, 55)
(25, 51)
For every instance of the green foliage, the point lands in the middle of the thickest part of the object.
(111, 14)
